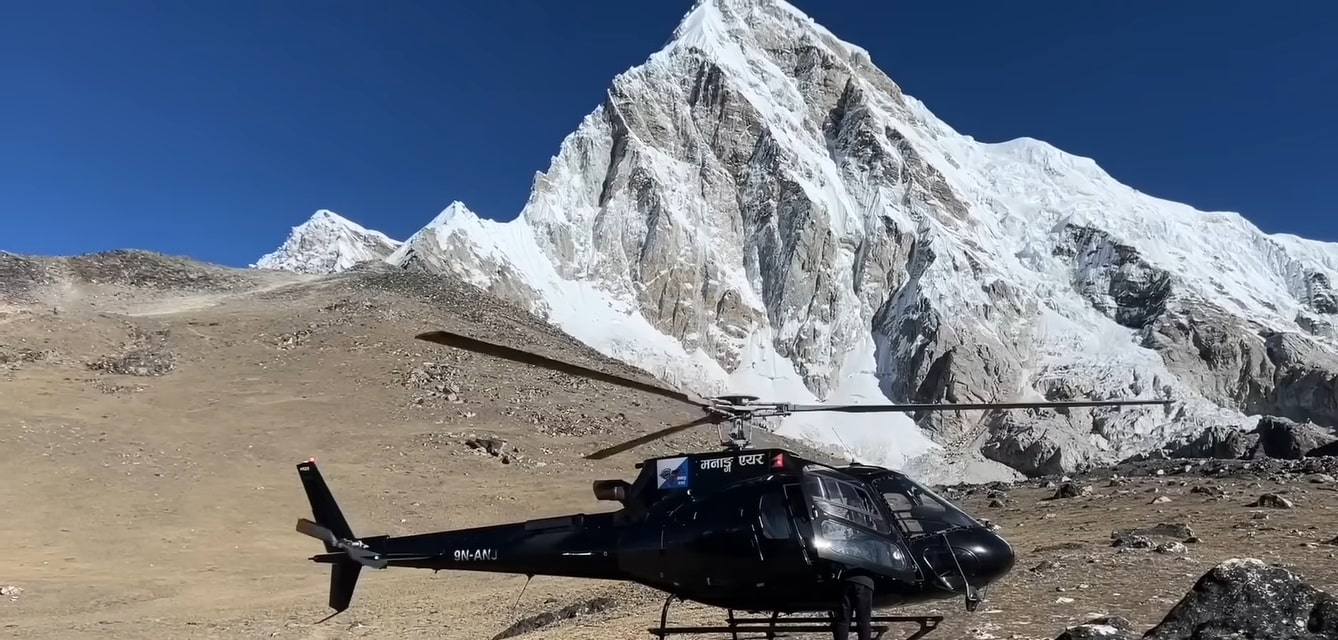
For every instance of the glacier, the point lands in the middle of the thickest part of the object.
(757, 208)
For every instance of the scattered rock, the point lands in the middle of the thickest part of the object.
(494, 447)
(292, 340)
(112, 388)
(139, 362)
(148, 269)
(1171, 547)
(145, 354)
(434, 381)
(1272, 501)
(1103, 628)
(1131, 541)
(1070, 490)
(1119, 622)
(1061, 546)
(13, 358)
(1260, 468)
(20, 277)
(1044, 566)
(1165, 529)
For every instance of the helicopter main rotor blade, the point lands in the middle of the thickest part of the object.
(967, 406)
(525, 357)
(654, 435)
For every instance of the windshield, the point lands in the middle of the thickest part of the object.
(849, 523)
(918, 511)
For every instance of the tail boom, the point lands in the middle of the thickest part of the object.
(577, 546)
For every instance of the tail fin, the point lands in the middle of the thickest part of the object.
(323, 506)
(345, 553)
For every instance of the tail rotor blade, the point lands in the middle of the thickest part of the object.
(508, 353)
(307, 527)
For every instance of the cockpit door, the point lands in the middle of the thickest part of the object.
(779, 540)
(850, 528)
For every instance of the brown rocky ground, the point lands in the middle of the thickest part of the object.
(151, 412)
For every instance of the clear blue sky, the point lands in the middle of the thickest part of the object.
(210, 127)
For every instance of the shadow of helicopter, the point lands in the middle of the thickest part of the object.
(752, 530)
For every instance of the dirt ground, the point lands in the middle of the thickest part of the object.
(149, 431)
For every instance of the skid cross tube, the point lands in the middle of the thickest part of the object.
(775, 626)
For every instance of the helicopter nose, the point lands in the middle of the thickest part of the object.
(994, 557)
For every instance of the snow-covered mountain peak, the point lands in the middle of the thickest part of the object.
(325, 243)
(455, 218)
(450, 214)
(327, 217)
(729, 27)
(759, 209)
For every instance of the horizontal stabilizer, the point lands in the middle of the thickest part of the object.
(356, 550)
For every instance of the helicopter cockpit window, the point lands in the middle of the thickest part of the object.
(917, 510)
(849, 523)
(844, 500)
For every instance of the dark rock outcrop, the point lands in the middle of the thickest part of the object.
(1249, 599)
(1237, 599)
(1283, 438)
(1327, 451)
(1114, 277)
(1254, 370)
(1226, 443)
(1273, 437)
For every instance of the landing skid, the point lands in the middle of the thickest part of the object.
(774, 626)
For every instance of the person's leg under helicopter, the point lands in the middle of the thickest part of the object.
(841, 619)
(856, 603)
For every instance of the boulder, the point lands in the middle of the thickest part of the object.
(1246, 598)
(1220, 442)
(1096, 632)
(1283, 438)
(1105, 628)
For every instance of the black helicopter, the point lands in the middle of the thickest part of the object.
(754, 530)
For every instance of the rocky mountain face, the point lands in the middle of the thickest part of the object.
(327, 243)
(759, 208)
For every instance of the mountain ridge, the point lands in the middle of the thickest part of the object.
(758, 208)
